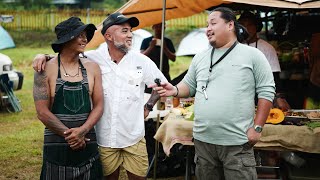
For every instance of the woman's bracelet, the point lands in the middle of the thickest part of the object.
(48, 57)
(177, 91)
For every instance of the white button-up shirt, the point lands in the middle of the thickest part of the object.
(122, 123)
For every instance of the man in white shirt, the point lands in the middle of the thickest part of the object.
(120, 131)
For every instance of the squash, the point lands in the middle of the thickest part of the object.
(276, 116)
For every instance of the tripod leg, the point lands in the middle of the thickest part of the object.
(150, 166)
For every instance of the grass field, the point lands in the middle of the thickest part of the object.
(21, 134)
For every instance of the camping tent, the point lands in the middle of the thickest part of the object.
(150, 12)
(138, 36)
(6, 40)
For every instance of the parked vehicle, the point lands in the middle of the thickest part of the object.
(10, 80)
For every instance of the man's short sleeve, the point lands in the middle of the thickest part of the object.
(170, 45)
(152, 72)
(145, 43)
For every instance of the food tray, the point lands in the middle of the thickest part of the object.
(295, 120)
(295, 117)
(312, 114)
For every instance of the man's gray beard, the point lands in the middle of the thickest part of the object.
(122, 47)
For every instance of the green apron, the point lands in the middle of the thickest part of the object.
(71, 106)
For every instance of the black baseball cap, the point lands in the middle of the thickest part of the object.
(118, 18)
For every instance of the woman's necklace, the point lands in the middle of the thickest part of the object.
(66, 74)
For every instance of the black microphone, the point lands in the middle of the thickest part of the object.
(157, 81)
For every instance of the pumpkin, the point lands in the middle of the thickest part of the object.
(276, 116)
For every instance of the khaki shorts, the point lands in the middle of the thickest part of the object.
(133, 158)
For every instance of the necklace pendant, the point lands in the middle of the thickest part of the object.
(66, 75)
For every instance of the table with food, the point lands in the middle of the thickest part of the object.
(294, 130)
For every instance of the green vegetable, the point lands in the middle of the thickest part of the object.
(191, 117)
(313, 125)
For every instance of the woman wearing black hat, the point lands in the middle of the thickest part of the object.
(69, 102)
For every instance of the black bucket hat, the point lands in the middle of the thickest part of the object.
(118, 18)
(69, 29)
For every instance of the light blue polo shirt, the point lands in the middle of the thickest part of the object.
(225, 117)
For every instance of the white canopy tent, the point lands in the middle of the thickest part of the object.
(138, 36)
(199, 42)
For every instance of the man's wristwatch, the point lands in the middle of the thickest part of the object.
(149, 106)
(258, 128)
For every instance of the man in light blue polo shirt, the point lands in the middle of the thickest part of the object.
(224, 80)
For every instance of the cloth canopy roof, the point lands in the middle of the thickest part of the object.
(150, 12)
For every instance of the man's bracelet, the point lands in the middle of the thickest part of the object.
(177, 91)
(280, 95)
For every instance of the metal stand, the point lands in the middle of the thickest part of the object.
(188, 163)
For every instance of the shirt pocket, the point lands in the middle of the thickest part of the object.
(239, 74)
(133, 86)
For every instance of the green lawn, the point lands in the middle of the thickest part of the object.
(21, 134)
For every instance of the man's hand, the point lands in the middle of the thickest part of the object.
(78, 145)
(76, 138)
(39, 62)
(166, 89)
(282, 104)
(253, 136)
(153, 42)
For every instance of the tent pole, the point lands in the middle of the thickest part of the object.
(163, 23)
(160, 67)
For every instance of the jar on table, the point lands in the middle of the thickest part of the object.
(175, 101)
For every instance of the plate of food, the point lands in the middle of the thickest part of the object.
(313, 115)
